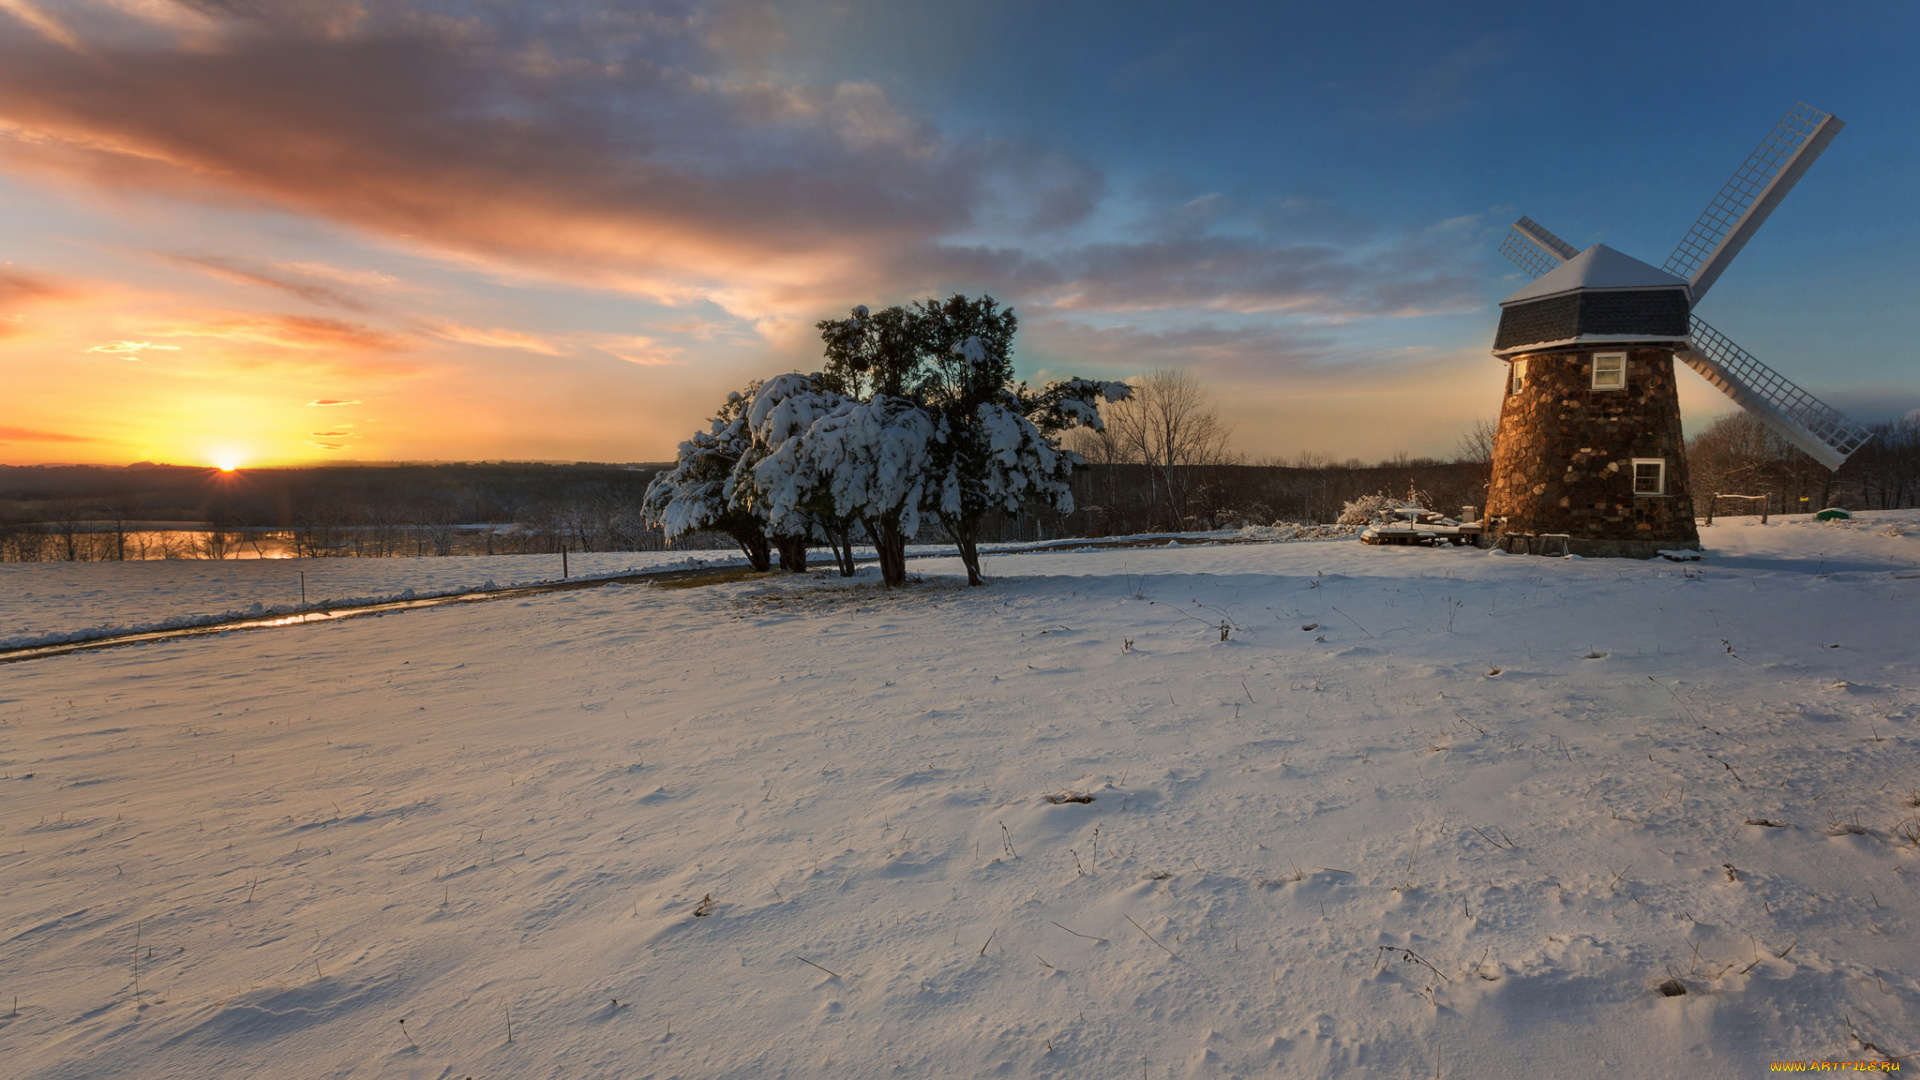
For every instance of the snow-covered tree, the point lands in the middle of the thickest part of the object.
(697, 494)
(831, 461)
(790, 496)
(991, 441)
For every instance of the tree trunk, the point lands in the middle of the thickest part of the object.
(793, 553)
(890, 543)
(753, 544)
(842, 541)
(963, 538)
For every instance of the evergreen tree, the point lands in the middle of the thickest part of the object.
(994, 443)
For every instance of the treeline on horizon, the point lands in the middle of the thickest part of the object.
(86, 512)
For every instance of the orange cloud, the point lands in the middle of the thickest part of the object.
(17, 287)
(28, 435)
(297, 280)
(494, 338)
(293, 332)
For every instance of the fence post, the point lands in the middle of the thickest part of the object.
(563, 562)
(1766, 503)
(1711, 503)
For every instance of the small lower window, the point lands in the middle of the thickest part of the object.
(1649, 476)
(1610, 371)
(1519, 376)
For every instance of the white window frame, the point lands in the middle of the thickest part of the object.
(1517, 377)
(1610, 385)
(1660, 482)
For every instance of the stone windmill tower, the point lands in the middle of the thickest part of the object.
(1589, 442)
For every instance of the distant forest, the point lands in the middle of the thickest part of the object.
(85, 512)
(57, 512)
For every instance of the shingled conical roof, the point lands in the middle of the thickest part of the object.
(1597, 268)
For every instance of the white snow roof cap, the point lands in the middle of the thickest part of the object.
(1598, 267)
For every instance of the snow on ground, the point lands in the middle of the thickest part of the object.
(45, 603)
(1463, 824)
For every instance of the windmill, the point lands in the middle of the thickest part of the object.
(1589, 442)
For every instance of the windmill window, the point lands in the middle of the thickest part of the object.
(1649, 476)
(1519, 379)
(1610, 371)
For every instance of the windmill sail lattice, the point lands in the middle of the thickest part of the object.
(1534, 248)
(1802, 419)
(1745, 202)
(1797, 416)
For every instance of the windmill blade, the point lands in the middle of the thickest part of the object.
(1534, 249)
(1802, 419)
(1733, 216)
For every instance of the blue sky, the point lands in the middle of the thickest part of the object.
(566, 230)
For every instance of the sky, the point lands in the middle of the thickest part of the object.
(248, 232)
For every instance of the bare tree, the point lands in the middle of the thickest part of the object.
(1476, 443)
(1886, 471)
(67, 521)
(1737, 454)
(1170, 426)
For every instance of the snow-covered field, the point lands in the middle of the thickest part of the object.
(1421, 812)
(46, 603)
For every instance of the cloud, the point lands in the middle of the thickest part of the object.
(17, 287)
(332, 434)
(617, 162)
(494, 338)
(19, 290)
(130, 349)
(29, 435)
(292, 332)
(1224, 352)
(637, 349)
(656, 152)
(1244, 275)
(295, 280)
(324, 402)
(42, 23)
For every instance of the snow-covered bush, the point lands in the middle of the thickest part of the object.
(1368, 508)
(1365, 509)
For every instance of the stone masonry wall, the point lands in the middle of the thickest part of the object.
(1563, 455)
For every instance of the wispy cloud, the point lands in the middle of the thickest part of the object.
(291, 332)
(294, 280)
(20, 290)
(18, 287)
(1228, 353)
(29, 435)
(494, 338)
(42, 23)
(637, 349)
(325, 402)
(130, 349)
